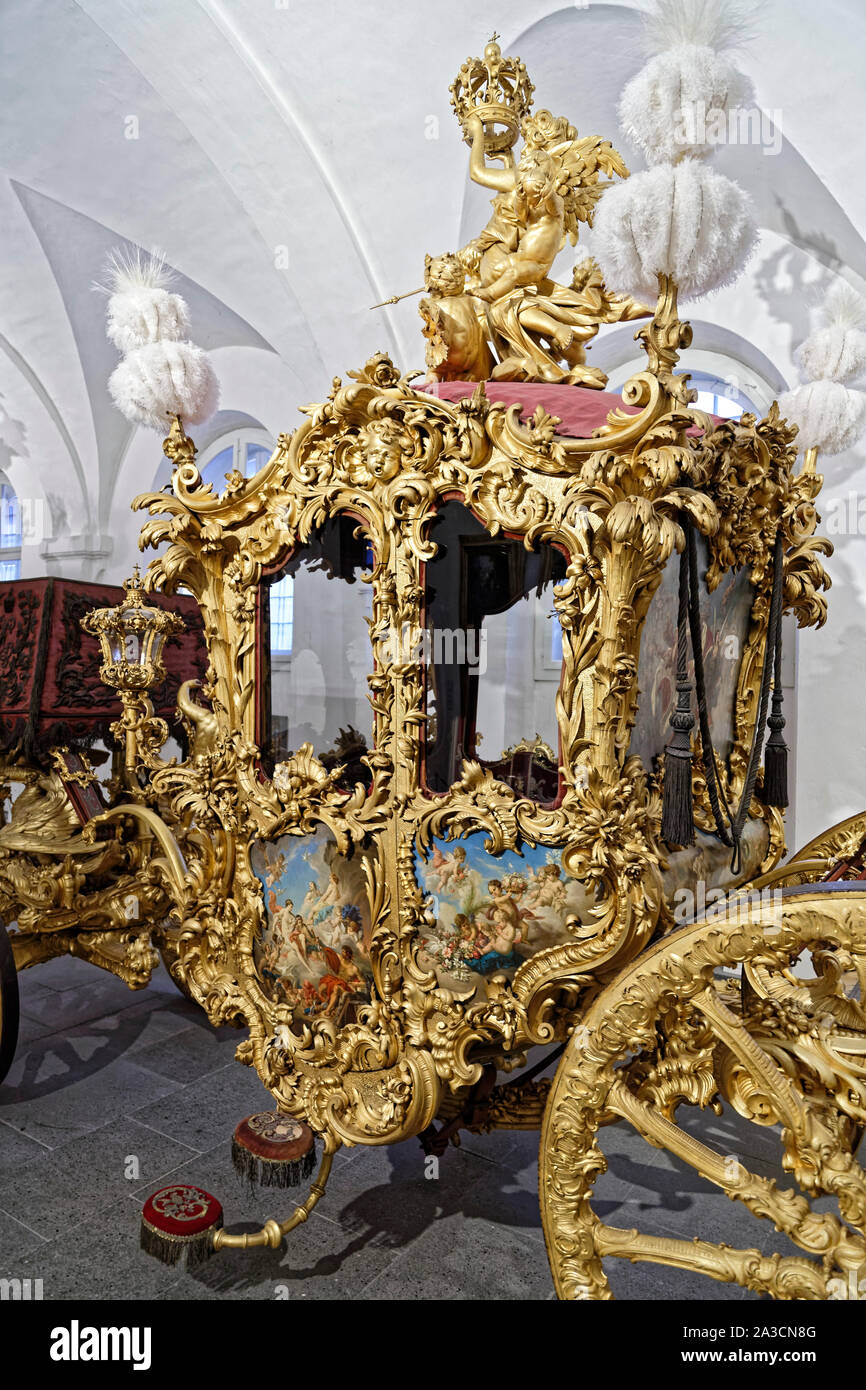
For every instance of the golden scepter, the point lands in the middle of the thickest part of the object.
(395, 298)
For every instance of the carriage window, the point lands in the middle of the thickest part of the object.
(725, 624)
(316, 645)
(282, 607)
(494, 656)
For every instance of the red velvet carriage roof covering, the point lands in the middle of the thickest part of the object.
(579, 409)
(50, 691)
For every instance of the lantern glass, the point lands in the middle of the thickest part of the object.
(131, 638)
(153, 645)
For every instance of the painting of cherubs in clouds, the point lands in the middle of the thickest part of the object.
(490, 913)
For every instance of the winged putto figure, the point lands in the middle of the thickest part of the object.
(492, 310)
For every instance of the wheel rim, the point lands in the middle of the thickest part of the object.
(665, 1032)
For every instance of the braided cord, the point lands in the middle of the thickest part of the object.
(714, 786)
(772, 665)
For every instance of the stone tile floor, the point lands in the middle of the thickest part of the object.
(113, 1093)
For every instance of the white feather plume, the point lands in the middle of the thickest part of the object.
(162, 373)
(161, 379)
(678, 96)
(719, 24)
(144, 316)
(141, 307)
(131, 268)
(833, 354)
(829, 416)
(836, 349)
(844, 307)
(684, 220)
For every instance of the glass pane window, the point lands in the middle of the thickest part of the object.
(282, 601)
(10, 569)
(494, 657)
(318, 609)
(10, 518)
(244, 451)
(721, 405)
(257, 457)
(725, 622)
(221, 464)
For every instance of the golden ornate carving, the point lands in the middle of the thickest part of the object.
(66, 892)
(69, 895)
(497, 289)
(791, 1066)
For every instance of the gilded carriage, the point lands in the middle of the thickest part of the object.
(64, 890)
(448, 836)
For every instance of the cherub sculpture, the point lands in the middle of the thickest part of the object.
(505, 300)
(455, 324)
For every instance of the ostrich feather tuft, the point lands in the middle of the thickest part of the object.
(131, 268)
(141, 306)
(829, 416)
(719, 24)
(162, 379)
(844, 307)
(669, 106)
(684, 220)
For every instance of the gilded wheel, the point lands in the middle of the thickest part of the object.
(784, 1048)
(8, 1003)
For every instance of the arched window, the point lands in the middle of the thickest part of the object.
(720, 396)
(244, 451)
(728, 385)
(10, 532)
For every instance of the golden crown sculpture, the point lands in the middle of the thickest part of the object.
(498, 91)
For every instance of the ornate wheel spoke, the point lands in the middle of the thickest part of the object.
(780, 1276)
(818, 1234)
(662, 1034)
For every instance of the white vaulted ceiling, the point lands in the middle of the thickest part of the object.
(295, 159)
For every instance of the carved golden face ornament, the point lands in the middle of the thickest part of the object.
(381, 448)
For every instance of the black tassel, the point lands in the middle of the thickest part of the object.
(678, 818)
(776, 771)
(776, 752)
(269, 1172)
(170, 1250)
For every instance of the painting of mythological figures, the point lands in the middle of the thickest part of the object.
(490, 913)
(313, 952)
